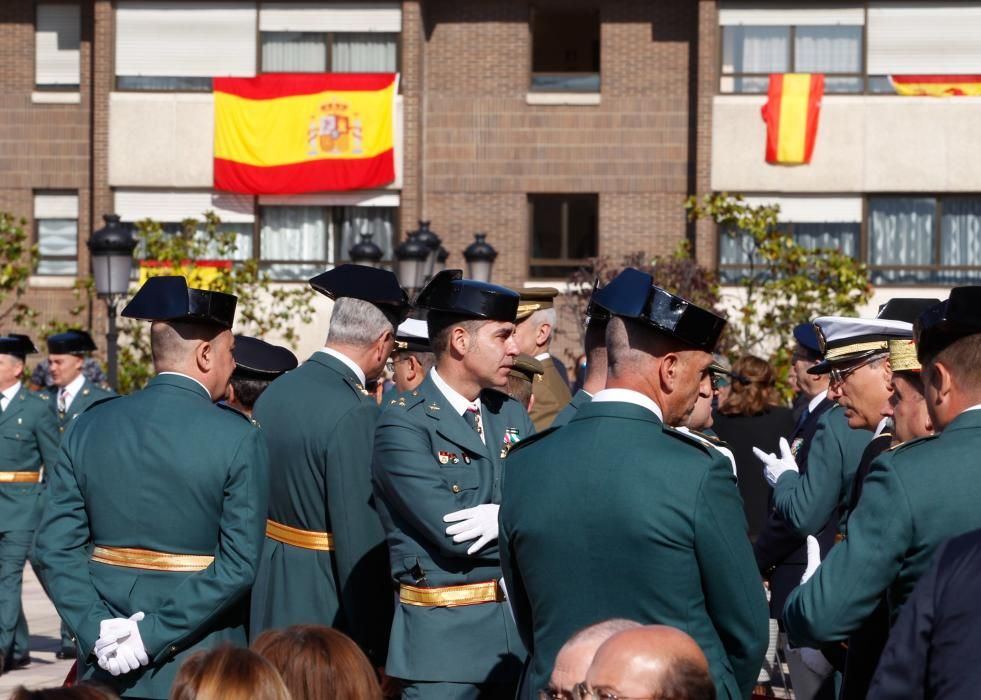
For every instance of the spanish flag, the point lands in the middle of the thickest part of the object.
(287, 133)
(936, 85)
(791, 115)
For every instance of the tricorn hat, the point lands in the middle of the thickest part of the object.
(952, 319)
(448, 292)
(73, 342)
(168, 298)
(257, 359)
(374, 285)
(16, 344)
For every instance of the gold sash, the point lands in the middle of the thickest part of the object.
(20, 477)
(307, 539)
(148, 559)
(452, 596)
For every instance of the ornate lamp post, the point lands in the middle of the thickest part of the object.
(480, 257)
(432, 242)
(441, 255)
(111, 249)
(365, 251)
(411, 263)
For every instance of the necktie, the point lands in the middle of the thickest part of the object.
(63, 399)
(472, 416)
(804, 415)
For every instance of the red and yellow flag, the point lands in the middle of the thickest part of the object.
(791, 115)
(936, 85)
(200, 274)
(287, 133)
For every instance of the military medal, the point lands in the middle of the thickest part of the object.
(444, 457)
(466, 458)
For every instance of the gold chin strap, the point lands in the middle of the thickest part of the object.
(839, 352)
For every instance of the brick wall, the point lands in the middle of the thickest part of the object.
(42, 146)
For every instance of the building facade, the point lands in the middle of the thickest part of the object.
(561, 129)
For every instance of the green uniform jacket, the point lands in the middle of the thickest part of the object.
(430, 462)
(28, 440)
(163, 469)
(580, 399)
(916, 496)
(551, 394)
(616, 515)
(89, 394)
(811, 501)
(320, 424)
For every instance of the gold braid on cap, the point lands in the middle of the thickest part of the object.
(840, 352)
(902, 356)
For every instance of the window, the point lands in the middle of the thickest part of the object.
(564, 233)
(171, 45)
(56, 229)
(925, 239)
(57, 46)
(751, 53)
(340, 52)
(297, 242)
(736, 250)
(565, 51)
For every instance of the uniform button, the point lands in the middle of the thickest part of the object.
(61, 429)
(456, 488)
(173, 649)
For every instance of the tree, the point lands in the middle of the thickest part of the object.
(262, 307)
(17, 261)
(783, 283)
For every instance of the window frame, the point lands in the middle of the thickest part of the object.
(572, 263)
(36, 241)
(329, 46)
(862, 75)
(532, 73)
(60, 87)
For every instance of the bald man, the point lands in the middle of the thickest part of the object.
(651, 661)
(577, 654)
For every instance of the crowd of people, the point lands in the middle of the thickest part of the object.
(252, 526)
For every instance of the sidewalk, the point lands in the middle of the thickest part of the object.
(45, 670)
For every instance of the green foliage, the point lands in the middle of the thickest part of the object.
(262, 307)
(678, 273)
(17, 260)
(785, 284)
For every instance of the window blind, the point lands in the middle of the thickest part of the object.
(926, 38)
(55, 205)
(790, 13)
(57, 45)
(176, 205)
(330, 17)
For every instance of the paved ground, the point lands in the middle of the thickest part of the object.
(45, 670)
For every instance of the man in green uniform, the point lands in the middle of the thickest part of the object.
(30, 442)
(521, 380)
(413, 356)
(257, 365)
(324, 559)
(439, 454)
(617, 514)
(916, 495)
(535, 328)
(153, 524)
(71, 394)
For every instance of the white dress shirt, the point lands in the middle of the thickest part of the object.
(351, 364)
(68, 393)
(8, 394)
(629, 396)
(460, 403)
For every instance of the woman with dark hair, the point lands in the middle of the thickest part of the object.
(319, 663)
(228, 673)
(752, 414)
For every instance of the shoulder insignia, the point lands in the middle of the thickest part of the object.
(85, 392)
(433, 406)
(690, 439)
(43, 396)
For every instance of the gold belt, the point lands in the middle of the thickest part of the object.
(307, 539)
(451, 596)
(148, 559)
(20, 477)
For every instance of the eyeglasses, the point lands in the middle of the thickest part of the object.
(838, 376)
(555, 694)
(582, 692)
(719, 381)
(392, 361)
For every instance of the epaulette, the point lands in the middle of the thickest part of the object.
(912, 443)
(714, 439)
(532, 439)
(407, 399)
(43, 395)
(232, 409)
(687, 437)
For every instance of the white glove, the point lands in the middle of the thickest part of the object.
(479, 523)
(120, 648)
(813, 558)
(773, 466)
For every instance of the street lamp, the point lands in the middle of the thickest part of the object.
(411, 256)
(441, 255)
(480, 257)
(432, 242)
(366, 252)
(111, 250)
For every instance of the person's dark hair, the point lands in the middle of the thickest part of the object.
(426, 360)
(319, 663)
(228, 673)
(753, 398)
(914, 379)
(439, 324)
(963, 359)
(82, 691)
(248, 391)
(686, 680)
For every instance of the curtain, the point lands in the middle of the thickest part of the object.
(57, 237)
(960, 238)
(301, 52)
(755, 50)
(828, 49)
(368, 52)
(840, 236)
(901, 232)
(354, 221)
(243, 241)
(295, 234)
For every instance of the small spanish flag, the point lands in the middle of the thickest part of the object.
(287, 133)
(936, 85)
(791, 115)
